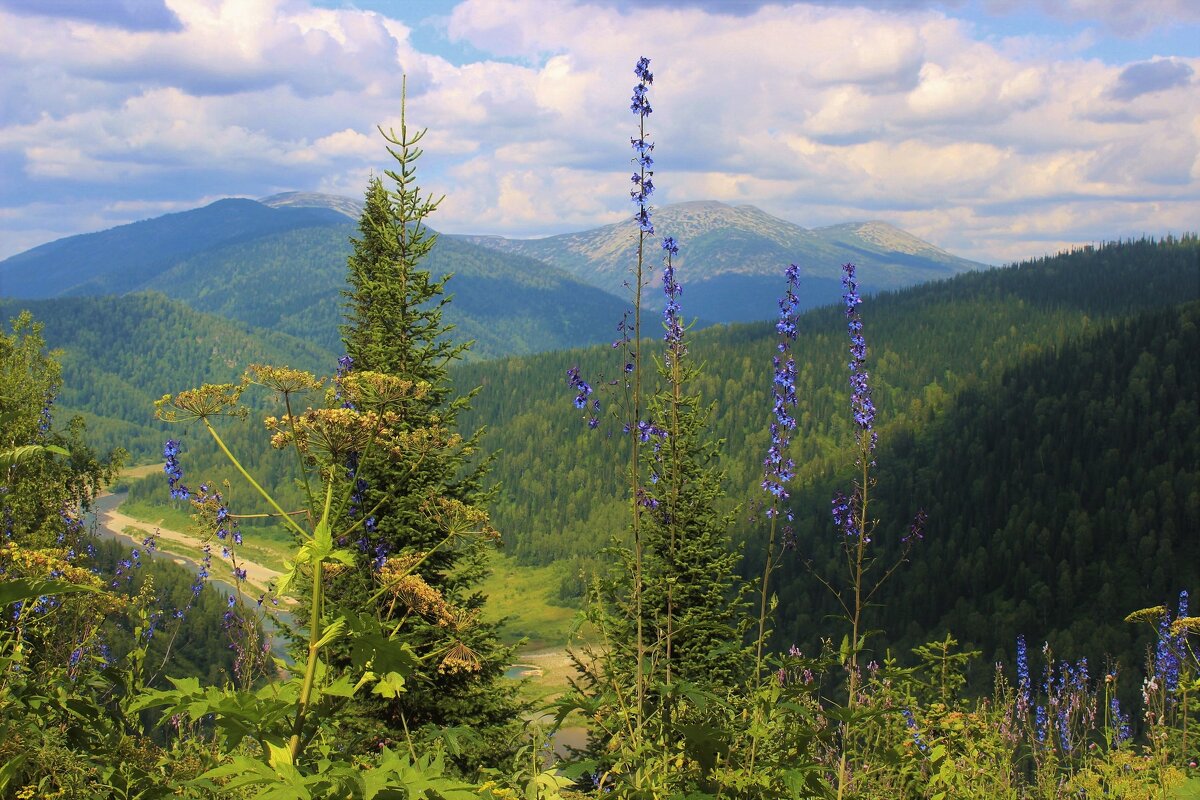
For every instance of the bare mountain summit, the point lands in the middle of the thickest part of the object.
(346, 206)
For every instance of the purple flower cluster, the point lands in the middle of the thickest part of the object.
(1118, 722)
(1066, 705)
(860, 399)
(345, 364)
(202, 576)
(845, 512)
(648, 430)
(174, 471)
(672, 321)
(640, 104)
(911, 722)
(126, 568)
(1168, 648)
(777, 468)
(916, 529)
(583, 396)
(46, 417)
(643, 179)
(1024, 686)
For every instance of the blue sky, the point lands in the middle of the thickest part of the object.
(998, 129)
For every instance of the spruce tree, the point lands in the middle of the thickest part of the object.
(394, 326)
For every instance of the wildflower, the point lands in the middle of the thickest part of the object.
(860, 400)
(583, 389)
(1119, 722)
(916, 531)
(174, 471)
(1166, 653)
(282, 379)
(778, 469)
(207, 401)
(911, 722)
(46, 416)
(1023, 682)
(845, 514)
(640, 105)
(671, 319)
(643, 179)
(410, 588)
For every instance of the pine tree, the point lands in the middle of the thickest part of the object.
(394, 326)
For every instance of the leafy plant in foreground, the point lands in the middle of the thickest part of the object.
(282, 733)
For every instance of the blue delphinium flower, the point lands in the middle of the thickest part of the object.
(844, 516)
(583, 398)
(1024, 685)
(1121, 732)
(174, 471)
(643, 179)
(1166, 657)
(916, 530)
(672, 321)
(911, 722)
(860, 398)
(46, 416)
(778, 469)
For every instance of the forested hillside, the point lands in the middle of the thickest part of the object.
(1044, 415)
(1061, 497)
(120, 354)
(124, 258)
(927, 345)
(292, 281)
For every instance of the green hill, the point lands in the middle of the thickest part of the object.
(292, 281)
(124, 258)
(1061, 497)
(120, 354)
(1044, 415)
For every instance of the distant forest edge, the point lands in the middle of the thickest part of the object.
(1044, 414)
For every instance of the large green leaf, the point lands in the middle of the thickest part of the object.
(16, 590)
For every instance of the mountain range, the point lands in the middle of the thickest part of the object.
(731, 257)
(280, 262)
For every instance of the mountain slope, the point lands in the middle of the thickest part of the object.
(562, 498)
(732, 256)
(125, 258)
(281, 264)
(1044, 415)
(120, 354)
(292, 282)
(1061, 497)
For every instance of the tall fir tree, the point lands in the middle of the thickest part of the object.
(394, 326)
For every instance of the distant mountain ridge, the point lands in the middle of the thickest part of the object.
(280, 265)
(123, 259)
(281, 261)
(732, 257)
